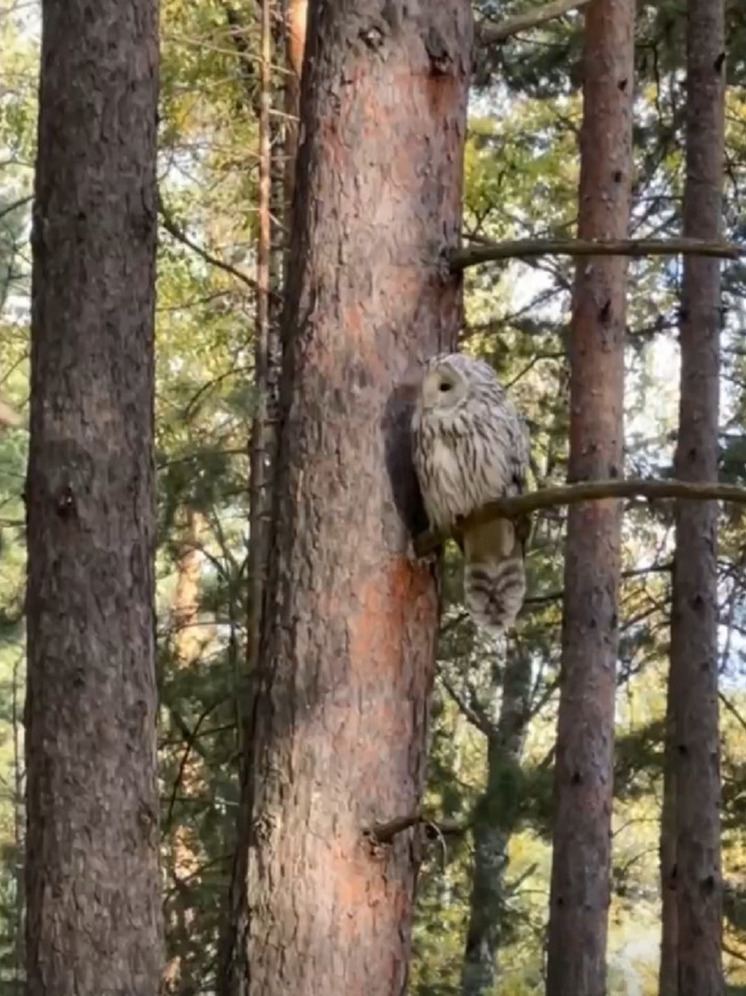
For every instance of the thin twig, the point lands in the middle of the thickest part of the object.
(472, 710)
(460, 259)
(572, 494)
(491, 34)
(734, 953)
(174, 230)
(732, 709)
(14, 205)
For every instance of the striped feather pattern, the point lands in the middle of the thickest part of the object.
(471, 446)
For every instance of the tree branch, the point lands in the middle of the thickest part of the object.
(734, 953)
(572, 494)
(460, 259)
(472, 710)
(732, 709)
(178, 233)
(384, 833)
(14, 205)
(492, 34)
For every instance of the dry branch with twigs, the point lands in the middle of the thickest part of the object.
(571, 494)
(473, 255)
(492, 34)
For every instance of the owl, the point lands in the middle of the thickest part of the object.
(470, 446)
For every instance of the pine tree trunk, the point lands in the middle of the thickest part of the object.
(668, 972)
(579, 896)
(271, 253)
(495, 823)
(348, 647)
(694, 623)
(92, 880)
(296, 18)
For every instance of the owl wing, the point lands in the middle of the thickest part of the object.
(494, 553)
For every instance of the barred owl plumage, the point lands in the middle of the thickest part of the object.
(470, 446)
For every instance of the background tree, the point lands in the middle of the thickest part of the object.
(694, 743)
(581, 859)
(92, 884)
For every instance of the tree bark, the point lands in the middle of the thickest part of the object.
(579, 897)
(348, 645)
(92, 880)
(296, 17)
(494, 825)
(694, 620)
(668, 971)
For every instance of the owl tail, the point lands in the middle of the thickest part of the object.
(494, 575)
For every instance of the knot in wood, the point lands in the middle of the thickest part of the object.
(441, 61)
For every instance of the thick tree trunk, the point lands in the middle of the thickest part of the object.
(347, 662)
(694, 658)
(581, 861)
(92, 878)
(495, 823)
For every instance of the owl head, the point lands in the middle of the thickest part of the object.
(451, 379)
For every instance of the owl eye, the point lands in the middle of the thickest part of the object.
(444, 386)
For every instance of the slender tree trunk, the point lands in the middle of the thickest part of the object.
(347, 660)
(694, 623)
(579, 897)
(189, 639)
(232, 972)
(92, 879)
(496, 821)
(296, 17)
(261, 444)
(668, 973)
(18, 834)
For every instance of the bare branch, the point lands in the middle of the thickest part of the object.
(14, 205)
(732, 709)
(176, 232)
(384, 833)
(460, 259)
(734, 953)
(492, 34)
(472, 709)
(572, 494)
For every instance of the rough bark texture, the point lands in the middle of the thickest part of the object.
(92, 878)
(495, 823)
(347, 662)
(271, 254)
(583, 781)
(694, 658)
(668, 972)
(261, 430)
(296, 19)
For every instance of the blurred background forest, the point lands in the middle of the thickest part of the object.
(493, 720)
